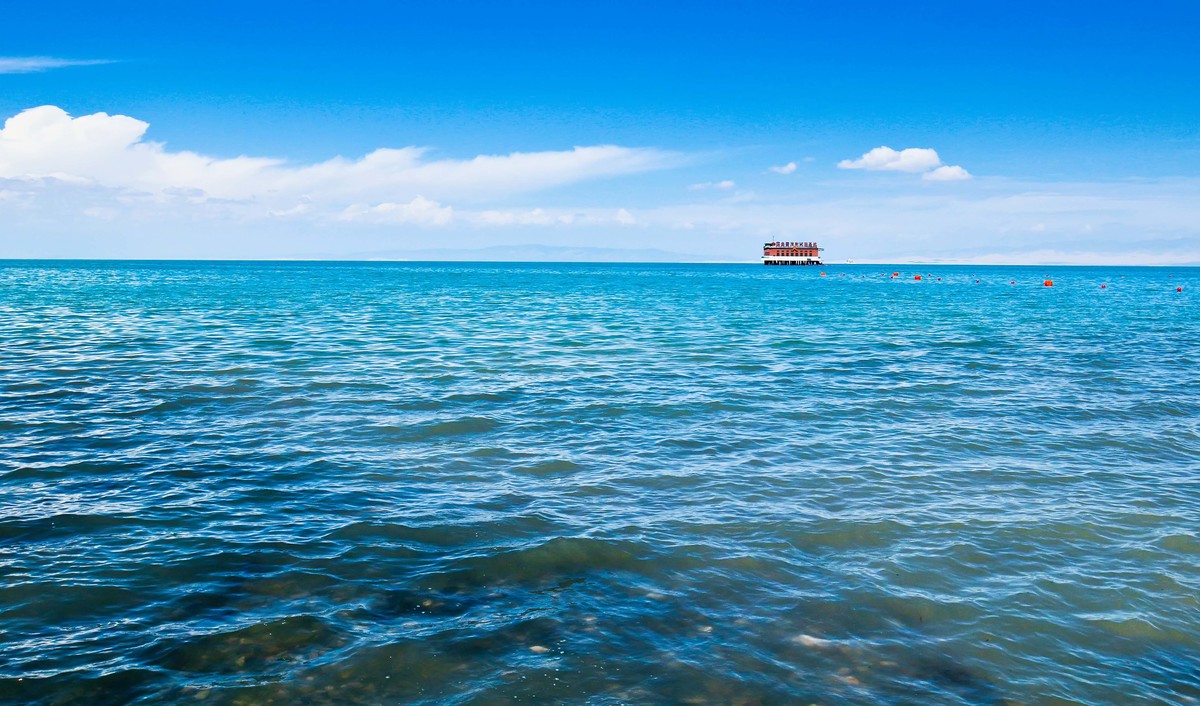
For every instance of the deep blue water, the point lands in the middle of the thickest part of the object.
(277, 483)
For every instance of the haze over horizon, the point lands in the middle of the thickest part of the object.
(990, 133)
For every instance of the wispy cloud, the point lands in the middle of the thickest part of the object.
(996, 220)
(110, 151)
(35, 64)
(552, 217)
(784, 168)
(723, 185)
(419, 211)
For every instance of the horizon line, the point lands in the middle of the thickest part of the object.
(5, 260)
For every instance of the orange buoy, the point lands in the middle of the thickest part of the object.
(1179, 289)
(895, 274)
(1048, 283)
(916, 276)
(822, 274)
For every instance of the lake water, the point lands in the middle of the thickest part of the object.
(284, 483)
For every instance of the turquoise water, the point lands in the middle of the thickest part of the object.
(278, 483)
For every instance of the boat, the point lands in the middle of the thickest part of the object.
(791, 253)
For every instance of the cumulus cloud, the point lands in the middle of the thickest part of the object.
(35, 64)
(111, 151)
(723, 185)
(921, 160)
(947, 173)
(913, 159)
(784, 169)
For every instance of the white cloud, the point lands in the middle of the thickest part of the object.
(947, 173)
(110, 151)
(35, 64)
(101, 213)
(727, 184)
(532, 217)
(784, 169)
(1140, 221)
(419, 211)
(553, 217)
(1133, 221)
(299, 209)
(94, 186)
(913, 159)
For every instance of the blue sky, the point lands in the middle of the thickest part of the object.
(1079, 128)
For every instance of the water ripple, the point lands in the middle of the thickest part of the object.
(276, 483)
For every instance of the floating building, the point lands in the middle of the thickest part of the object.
(789, 253)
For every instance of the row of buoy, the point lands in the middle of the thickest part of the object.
(1045, 283)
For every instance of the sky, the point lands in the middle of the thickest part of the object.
(988, 132)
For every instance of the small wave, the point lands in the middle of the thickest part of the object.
(558, 466)
(456, 427)
(42, 528)
(553, 561)
(464, 426)
(1181, 543)
(473, 397)
(433, 536)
